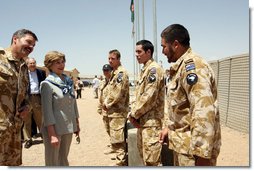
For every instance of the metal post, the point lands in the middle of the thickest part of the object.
(155, 31)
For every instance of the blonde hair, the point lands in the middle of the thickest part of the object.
(51, 57)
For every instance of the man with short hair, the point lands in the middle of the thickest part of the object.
(14, 106)
(36, 76)
(148, 108)
(116, 105)
(193, 126)
(102, 96)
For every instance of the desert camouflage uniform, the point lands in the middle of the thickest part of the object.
(148, 109)
(117, 103)
(103, 93)
(194, 126)
(13, 90)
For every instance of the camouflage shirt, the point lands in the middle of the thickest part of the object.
(117, 100)
(13, 89)
(103, 93)
(194, 126)
(148, 107)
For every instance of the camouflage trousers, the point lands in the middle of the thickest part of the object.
(188, 160)
(10, 147)
(36, 113)
(118, 140)
(149, 146)
(106, 123)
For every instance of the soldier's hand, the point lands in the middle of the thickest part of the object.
(104, 108)
(163, 136)
(133, 121)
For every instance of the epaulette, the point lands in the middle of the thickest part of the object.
(188, 61)
(189, 65)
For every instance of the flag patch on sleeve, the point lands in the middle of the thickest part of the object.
(189, 67)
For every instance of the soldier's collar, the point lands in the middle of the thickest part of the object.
(118, 68)
(10, 57)
(147, 64)
(179, 61)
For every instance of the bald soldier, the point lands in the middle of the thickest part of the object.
(148, 109)
(13, 95)
(193, 127)
(116, 104)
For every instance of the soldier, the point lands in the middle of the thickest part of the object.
(116, 105)
(13, 94)
(103, 94)
(148, 108)
(193, 127)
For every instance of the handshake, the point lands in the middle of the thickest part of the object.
(134, 122)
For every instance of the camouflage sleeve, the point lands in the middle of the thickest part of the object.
(166, 120)
(23, 82)
(46, 103)
(197, 85)
(117, 89)
(148, 96)
(100, 103)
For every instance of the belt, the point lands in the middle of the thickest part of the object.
(35, 95)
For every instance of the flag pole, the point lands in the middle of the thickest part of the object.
(137, 30)
(155, 31)
(132, 9)
(143, 19)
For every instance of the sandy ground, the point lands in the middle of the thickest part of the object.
(234, 150)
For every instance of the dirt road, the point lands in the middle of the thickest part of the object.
(234, 150)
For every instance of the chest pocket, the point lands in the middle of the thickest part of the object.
(177, 94)
(4, 73)
(141, 85)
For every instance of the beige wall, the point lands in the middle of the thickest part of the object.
(233, 80)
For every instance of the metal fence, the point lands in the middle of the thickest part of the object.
(233, 80)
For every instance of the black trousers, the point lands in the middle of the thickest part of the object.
(78, 93)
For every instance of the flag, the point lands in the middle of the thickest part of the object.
(132, 11)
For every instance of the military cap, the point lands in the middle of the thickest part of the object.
(107, 67)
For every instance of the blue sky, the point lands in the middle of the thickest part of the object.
(85, 30)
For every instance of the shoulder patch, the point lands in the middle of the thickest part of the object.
(153, 70)
(192, 78)
(120, 77)
(152, 76)
(190, 66)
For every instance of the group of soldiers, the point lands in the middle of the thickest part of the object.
(190, 126)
